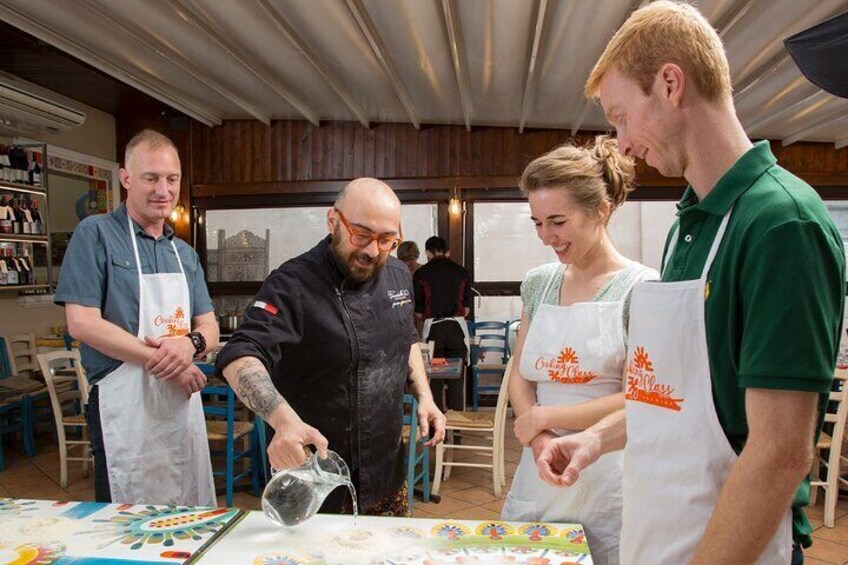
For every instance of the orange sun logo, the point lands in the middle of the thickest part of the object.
(568, 355)
(179, 314)
(641, 359)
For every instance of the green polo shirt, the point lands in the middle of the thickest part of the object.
(775, 290)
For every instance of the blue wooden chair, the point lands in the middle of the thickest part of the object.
(15, 409)
(491, 339)
(414, 458)
(220, 404)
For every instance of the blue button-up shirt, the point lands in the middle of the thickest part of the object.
(99, 271)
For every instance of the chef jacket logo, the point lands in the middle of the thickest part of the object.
(399, 298)
(642, 385)
(173, 325)
(565, 368)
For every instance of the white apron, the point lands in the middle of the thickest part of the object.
(429, 322)
(677, 457)
(574, 354)
(154, 437)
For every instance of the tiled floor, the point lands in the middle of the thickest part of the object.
(468, 494)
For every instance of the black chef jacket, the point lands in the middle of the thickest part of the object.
(338, 352)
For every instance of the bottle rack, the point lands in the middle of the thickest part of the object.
(36, 247)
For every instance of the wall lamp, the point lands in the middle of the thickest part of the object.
(456, 206)
(177, 213)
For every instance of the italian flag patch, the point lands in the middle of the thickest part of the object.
(270, 308)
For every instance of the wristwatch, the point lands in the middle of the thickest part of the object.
(198, 341)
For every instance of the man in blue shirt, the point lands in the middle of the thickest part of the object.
(135, 297)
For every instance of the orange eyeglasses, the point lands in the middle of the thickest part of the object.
(359, 238)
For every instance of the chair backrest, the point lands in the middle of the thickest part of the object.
(840, 398)
(492, 340)
(62, 397)
(22, 351)
(503, 403)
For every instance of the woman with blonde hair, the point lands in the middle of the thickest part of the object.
(571, 346)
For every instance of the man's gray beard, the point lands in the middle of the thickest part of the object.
(344, 263)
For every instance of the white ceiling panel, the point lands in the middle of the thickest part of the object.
(475, 62)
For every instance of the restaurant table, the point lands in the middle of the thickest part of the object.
(453, 368)
(66, 533)
(56, 342)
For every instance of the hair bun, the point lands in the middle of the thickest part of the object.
(617, 169)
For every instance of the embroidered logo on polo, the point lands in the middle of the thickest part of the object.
(173, 325)
(565, 368)
(399, 298)
(642, 385)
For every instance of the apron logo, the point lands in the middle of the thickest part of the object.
(175, 324)
(642, 384)
(565, 368)
(399, 298)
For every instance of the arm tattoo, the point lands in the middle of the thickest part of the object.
(256, 389)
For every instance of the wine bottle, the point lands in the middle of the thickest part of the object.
(17, 217)
(4, 271)
(37, 222)
(27, 216)
(27, 263)
(5, 166)
(12, 276)
(6, 214)
(36, 170)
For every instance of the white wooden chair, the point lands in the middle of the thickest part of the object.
(832, 479)
(490, 425)
(68, 405)
(22, 351)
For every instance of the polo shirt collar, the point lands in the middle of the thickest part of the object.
(121, 214)
(733, 183)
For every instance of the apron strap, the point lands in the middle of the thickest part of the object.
(716, 243)
(671, 247)
(138, 262)
(713, 250)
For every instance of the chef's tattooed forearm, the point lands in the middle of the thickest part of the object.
(256, 389)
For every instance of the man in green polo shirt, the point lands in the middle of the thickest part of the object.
(732, 354)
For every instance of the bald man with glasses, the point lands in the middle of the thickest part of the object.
(327, 347)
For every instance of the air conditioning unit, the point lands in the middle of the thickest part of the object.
(26, 108)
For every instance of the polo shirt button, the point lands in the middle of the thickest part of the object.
(688, 238)
(126, 263)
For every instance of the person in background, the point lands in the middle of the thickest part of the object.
(442, 302)
(732, 355)
(569, 361)
(135, 296)
(408, 253)
(326, 348)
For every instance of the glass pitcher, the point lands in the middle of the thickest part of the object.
(294, 495)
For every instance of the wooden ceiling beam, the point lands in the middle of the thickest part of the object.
(531, 84)
(450, 15)
(372, 36)
(146, 83)
(172, 56)
(315, 60)
(195, 15)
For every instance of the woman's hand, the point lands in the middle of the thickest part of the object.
(540, 442)
(529, 424)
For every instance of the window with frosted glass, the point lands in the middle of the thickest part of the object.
(245, 245)
(506, 245)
